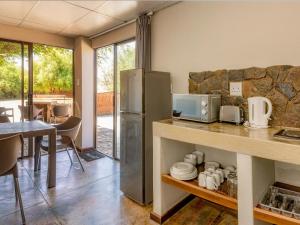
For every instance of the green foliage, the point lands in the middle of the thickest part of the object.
(52, 70)
(105, 64)
(10, 70)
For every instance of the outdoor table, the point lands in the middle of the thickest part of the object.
(37, 129)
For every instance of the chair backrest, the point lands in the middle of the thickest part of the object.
(24, 111)
(61, 110)
(2, 110)
(36, 111)
(71, 126)
(9, 150)
(4, 119)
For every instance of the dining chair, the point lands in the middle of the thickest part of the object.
(4, 119)
(4, 112)
(60, 111)
(67, 133)
(37, 114)
(9, 149)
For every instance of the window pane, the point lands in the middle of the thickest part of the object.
(10, 78)
(105, 100)
(125, 61)
(52, 80)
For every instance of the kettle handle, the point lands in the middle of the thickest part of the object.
(268, 114)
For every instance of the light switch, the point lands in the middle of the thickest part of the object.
(236, 89)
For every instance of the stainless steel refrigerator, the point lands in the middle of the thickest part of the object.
(144, 98)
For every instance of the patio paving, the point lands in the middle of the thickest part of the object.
(104, 135)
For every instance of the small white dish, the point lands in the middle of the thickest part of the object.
(182, 168)
(191, 158)
(200, 156)
(212, 164)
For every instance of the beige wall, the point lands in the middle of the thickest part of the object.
(198, 36)
(28, 35)
(84, 91)
(118, 35)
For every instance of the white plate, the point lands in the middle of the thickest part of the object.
(182, 168)
(189, 176)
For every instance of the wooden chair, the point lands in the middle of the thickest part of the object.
(9, 149)
(68, 132)
(4, 119)
(60, 111)
(4, 112)
(37, 114)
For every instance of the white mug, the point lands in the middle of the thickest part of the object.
(191, 158)
(230, 168)
(212, 164)
(200, 156)
(226, 173)
(211, 183)
(217, 178)
(221, 173)
(211, 170)
(202, 179)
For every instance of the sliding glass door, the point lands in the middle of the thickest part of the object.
(14, 79)
(125, 61)
(110, 61)
(52, 81)
(105, 100)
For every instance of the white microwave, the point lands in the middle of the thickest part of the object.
(197, 107)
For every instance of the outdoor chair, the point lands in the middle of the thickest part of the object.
(60, 111)
(67, 133)
(37, 114)
(4, 119)
(9, 149)
(4, 112)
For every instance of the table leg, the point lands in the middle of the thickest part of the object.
(30, 146)
(52, 160)
(37, 153)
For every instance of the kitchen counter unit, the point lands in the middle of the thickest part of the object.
(255, 151)
(229, 137)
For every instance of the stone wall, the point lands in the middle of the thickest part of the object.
(281, 84)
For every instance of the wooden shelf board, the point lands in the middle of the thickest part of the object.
(274, 218)
(193, 188)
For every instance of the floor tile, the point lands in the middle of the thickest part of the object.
(39, 214)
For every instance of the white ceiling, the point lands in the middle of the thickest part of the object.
(73, 18)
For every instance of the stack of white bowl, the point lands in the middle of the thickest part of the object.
(186, 170)
(183, 171)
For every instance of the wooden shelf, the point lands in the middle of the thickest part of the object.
(274, 218)
(193, 188)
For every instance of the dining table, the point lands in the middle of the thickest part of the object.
(36, 129)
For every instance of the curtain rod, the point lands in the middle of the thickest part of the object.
(130, 21)
(113, 28)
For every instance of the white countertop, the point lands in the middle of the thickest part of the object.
(239, 139)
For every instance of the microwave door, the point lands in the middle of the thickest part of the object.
(188, 106)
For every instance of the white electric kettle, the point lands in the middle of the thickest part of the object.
(258, 117)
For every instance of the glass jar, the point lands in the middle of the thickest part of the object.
(232, 184)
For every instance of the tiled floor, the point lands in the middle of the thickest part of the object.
(90, 198)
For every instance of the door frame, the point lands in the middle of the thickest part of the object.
(115, 77)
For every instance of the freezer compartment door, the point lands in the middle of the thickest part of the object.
(131, 91)
(131, 160)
